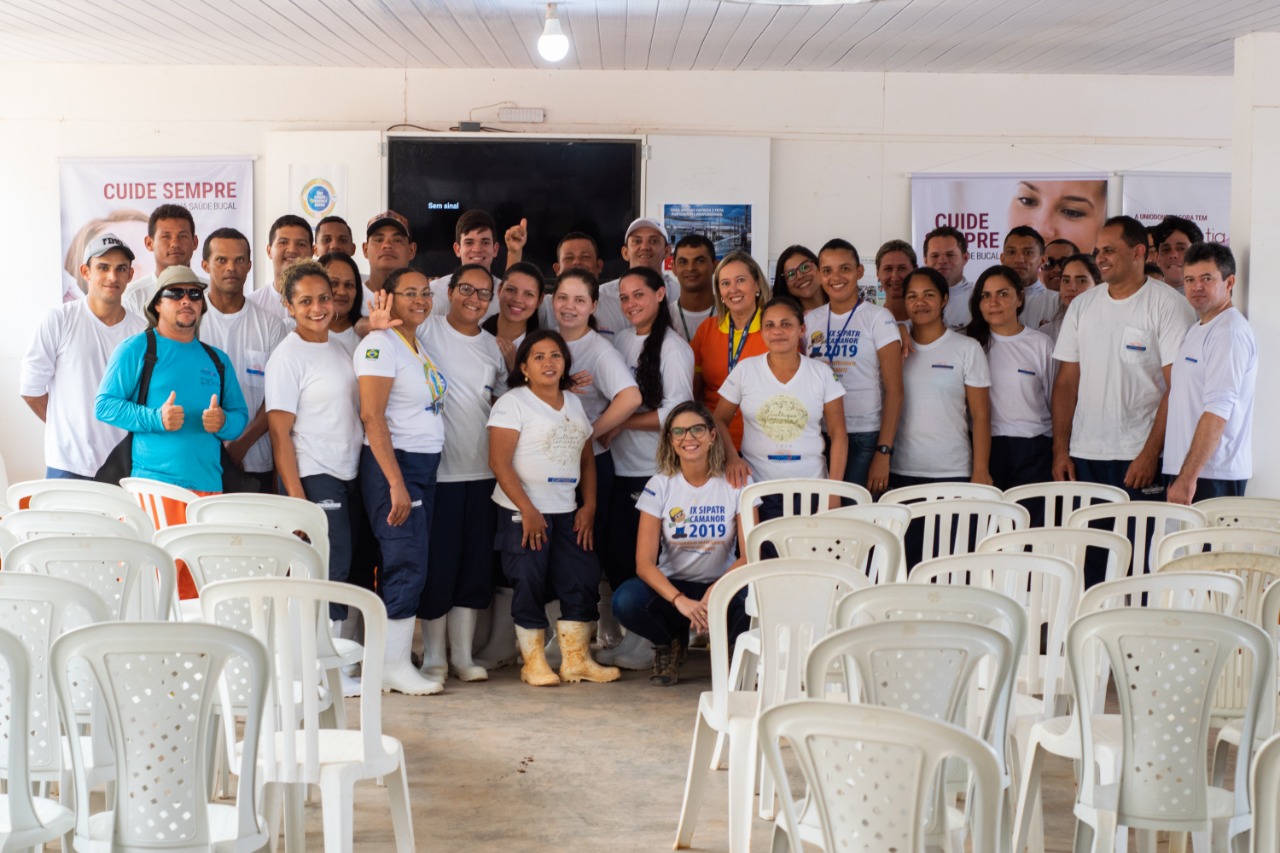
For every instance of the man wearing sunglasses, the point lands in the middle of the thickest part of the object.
(189, 409)
(1056, 253)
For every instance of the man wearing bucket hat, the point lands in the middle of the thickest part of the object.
(190, 403)
(68, 357)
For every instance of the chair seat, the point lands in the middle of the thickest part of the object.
(223, 830)
(1060, 737)
(341, 747)
(742, 703)
(1221, 804)
(57, 820)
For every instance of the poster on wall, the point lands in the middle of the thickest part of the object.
(117, 194)
(727, 226)
(1204, 198)
(1071, 206)
(317, 191)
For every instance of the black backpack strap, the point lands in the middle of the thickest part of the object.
(222, 372)
(148, 367)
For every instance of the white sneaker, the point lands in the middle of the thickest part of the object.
(634, 652)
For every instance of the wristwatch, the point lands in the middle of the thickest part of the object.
(886, 449)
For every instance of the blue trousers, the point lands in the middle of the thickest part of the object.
(560, 569)
(641, 610)
(340, 500)
(404, 548)
(461, 558)
(862, 449)
(617, 544)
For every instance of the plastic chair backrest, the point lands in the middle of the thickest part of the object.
(874, 550)
(135, 580)
(218, 552)
(285, 614)
(151, 496)
(18, 494)
(37, 609)
(1241, 512)
(16, 683)
(1061, 498)
(120, 507)
(158, 684)
(1264, 787)
(1166, 665)
(941, 492)
(1047, 587)
(278, 512)
(27, 524)
(956, 526)
(1207, 592)
(1072, 543)
(799, 496)
(1151, 521)
(871, 771)
(892, 517)
(1183, 542)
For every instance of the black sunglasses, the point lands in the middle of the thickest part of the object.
(1050, 263)
(195, 294)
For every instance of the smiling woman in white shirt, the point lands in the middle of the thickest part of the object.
(348, 289)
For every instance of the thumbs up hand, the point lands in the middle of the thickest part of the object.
(515, 238)
(171, 413)
(213, 418)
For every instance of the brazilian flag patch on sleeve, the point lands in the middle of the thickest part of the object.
(371, 353)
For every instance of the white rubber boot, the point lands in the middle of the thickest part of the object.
(553, 644)
(575, 643)
(435, 666)
(398, 672)
(634, 652)
(500, 650)
(462, 631)
(532, 648)
(608, 631)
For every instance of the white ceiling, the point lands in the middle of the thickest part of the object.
(948, 36)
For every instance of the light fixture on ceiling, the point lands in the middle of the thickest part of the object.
(553, 44)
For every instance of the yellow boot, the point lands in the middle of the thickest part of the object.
(535, 671)
(575, 646)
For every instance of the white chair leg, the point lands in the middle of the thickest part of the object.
(741, 667)
(337, 803)
(704, 739)
(339, 708)
(1028, 799)
(1146, 840)
(1177, 842)
(401, 815)
(295, 817)
(272, 807)
(744, 752)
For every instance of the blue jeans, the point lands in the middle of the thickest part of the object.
(1209, 488)
(404, 548)
(641, 610)
(862, 449)
(51, 473)
(340, 500)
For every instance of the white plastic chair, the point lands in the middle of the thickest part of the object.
(876, 551)
(797, 599)
(871, 773)
(800, 496)
(1060, 736)
(25, 821)
(1229, 734)
(1185, 542)
(18, 494)
(1165, 665)
(1151, 521)
(27, 524)
(151, 495)
(956, 526)
(1071, 543)
(119, 506)
(892, 517)
(158, 682)
(134, 579)
(941, 492)
(296, 751)
(1241, 512)
(1264, 787)
(1062, 497)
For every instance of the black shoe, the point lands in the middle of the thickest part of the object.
(666, 664)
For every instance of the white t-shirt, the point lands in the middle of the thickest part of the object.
(440, 297)
(836, 339)
(270, 300)
(548, 457)
(349, 339)
(248, 337)
(1022, 372)
(609, 373)
(699, 525)
(413, 409)
(66, 360)
(315, 383)
(635, 451)
(781, 436)
(933, 435)
(1216, 371)
(956, 312)
(477, 374)
(1039, 305)
(1121, 347)
(684, 321)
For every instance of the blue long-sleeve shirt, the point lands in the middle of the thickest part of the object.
(188, 457)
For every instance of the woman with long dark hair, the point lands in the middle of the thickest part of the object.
(519, 298)
(797, 276)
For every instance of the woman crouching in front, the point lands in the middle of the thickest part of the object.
(540, 452)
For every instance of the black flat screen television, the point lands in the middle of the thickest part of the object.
(558, 185)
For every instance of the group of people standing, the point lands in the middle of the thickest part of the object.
(498, 437)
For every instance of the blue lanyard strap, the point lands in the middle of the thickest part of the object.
(843, 329)
(734, 355)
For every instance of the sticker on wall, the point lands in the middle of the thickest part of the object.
(318, 190)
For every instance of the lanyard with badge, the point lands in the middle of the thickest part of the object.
(736, 354)
(436, 380)
(843, 329)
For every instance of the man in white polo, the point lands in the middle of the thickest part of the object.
(1208, 446)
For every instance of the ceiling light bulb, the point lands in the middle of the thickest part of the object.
(553, 44)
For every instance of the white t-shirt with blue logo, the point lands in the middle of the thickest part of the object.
(933, 435)
(414, 410)
(1022, 373)
(699, 525)
(850, 343)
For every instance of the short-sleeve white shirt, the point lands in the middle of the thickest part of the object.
(548, 456)
(850, 344)
(699, 525)
(1022, 374)
(635, 451)
(415, 423)
(609, 375)
(316, 384)
(933, 435)
(270, 300)
(956, 312)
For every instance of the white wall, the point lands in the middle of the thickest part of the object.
(841, 146)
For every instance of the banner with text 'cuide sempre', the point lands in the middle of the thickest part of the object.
(984, 207)
(117, 195)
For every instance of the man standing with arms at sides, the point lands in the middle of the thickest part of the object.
(333, 234)
(695, 265)
(1173, 236)
(248, 335)
(68, 357)
(1024, 253)
(288, 240)
(1209, 437)
(1055, 258)
(171, 239)
(861, 344)
(1115, 350)
(475, 241)
(947, 251)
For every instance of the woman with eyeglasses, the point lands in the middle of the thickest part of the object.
(797, 276)
(687, 538)
(402, 401)
(1079, 273)
(519, 298)
(460, 579)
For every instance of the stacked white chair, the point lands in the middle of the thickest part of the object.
(876, 551)
(1060, 498)
(956, 526)
(1264, 787)
(892, 517)
(1070, 543)
(1151, 522)
(26, 524)
(18, 495)
(800, 496)
(119, 506)
(948, 491)
(134, 579)
(1241, 512)
(152, 495)
(1186, 542)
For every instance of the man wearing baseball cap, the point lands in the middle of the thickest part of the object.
(68, 357)
(645, 245)
(388, 246)
(192, 404)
